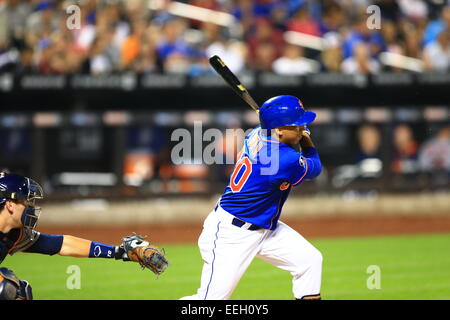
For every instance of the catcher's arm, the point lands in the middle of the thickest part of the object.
(75, 247)
(83, 248)
(51, 244)
(64, 245)
(133, 248)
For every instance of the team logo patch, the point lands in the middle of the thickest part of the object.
(301, 161)
(285, 185)
(97, 251)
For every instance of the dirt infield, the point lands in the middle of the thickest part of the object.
(309, 228)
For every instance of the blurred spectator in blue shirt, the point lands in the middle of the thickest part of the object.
(361, 61)
(360, 33)
(172, 40)
(200, 66)
(263, 8)
(279, 16)
(44, 19)
(437, 26)
(436, 54)
(176, 62)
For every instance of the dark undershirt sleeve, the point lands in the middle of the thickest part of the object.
(47, 244)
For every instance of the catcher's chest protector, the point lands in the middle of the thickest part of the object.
(7, 241)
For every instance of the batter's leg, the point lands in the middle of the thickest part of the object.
(288, 250)
(227, 252)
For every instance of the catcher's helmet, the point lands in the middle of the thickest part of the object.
(15, 187)
(284, 111)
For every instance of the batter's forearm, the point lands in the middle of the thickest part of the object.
(306, 142)
(309, 151)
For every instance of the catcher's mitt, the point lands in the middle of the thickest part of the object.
(135, 248)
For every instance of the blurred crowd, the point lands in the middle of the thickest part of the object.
(407, 154)
(142, 36)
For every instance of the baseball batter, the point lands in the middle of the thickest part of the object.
(245, 222)
(18, 218)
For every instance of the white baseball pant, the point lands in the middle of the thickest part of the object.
(228, 250)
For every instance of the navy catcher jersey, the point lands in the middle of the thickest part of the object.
(263, 176)
(16, 240)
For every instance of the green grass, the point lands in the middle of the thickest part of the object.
(412, 267)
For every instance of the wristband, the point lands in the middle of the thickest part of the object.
(100, 250)
(306, 132)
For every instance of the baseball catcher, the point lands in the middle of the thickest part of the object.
(18, 218)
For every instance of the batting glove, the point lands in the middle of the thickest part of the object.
(306, 132)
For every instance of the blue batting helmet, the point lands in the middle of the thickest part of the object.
(15, 187)
(284, 111)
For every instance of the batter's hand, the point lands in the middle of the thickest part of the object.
(306, 132)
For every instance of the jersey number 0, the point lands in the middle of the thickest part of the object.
(237, 186)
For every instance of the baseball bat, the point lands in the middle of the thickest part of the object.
(234, 83)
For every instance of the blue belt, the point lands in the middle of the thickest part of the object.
(239, 223)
